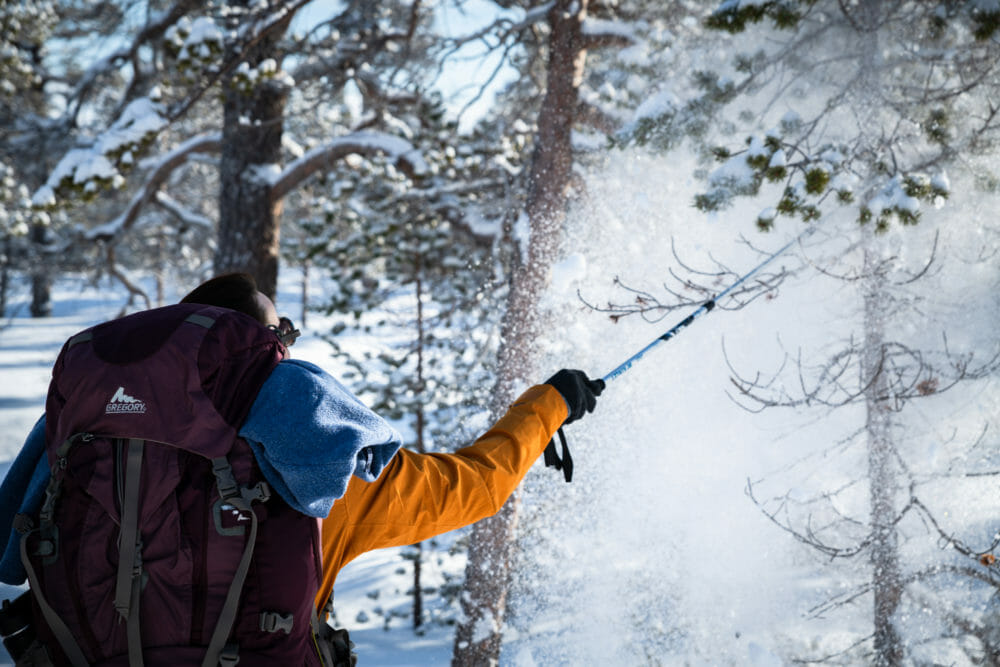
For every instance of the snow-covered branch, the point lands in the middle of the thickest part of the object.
(186, 216)
(121, 275)
(263, 28)
(154, 29)
(592, 116)
(161, 170)
(408, 159)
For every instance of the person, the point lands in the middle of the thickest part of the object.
(328, 456)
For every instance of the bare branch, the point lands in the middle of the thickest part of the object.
(504, 27)
(832, 656)
(930, 261)
(599, 40)
(693, 288)
(808, 538)
(501, 64)
(947, 539)
(119, 274)
(903, 373)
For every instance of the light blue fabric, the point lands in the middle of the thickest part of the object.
(308, 432)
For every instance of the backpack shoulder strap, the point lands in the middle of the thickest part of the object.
(56, 624)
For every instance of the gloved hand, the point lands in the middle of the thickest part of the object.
(579, 392)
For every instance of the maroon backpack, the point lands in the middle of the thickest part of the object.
(159, 541)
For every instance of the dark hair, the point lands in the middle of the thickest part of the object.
(236, 291)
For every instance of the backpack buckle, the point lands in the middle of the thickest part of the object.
(261, 493)
(224, 478)
(47, 547)
(230, 655)
(272, 621)
(23, 523)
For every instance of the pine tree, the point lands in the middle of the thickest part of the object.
(146, 118)
(24, 29)
(489, 570)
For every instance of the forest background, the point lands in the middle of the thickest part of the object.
(460, 198)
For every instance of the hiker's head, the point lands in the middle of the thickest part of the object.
(236, 291)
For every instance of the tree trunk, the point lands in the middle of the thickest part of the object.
(306, 263)
(487, 575)
(5, 262)
(249, 218)
(882, 472)
(421, 446)
(41, 278)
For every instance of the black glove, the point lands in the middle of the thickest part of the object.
(580, 394)
(578, 390)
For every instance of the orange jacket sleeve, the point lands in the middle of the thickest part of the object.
(419, 496)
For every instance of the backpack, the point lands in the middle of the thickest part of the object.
(159, 541)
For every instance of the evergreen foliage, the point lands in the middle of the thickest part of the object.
(906, 136)
(393, 245)
(419, 262)
(883, 127)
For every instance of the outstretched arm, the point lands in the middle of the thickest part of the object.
(419, 496)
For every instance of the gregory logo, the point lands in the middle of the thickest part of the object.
(122, 403)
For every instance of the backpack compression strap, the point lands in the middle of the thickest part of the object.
(56, 624)
(128, 585)
(230, 492)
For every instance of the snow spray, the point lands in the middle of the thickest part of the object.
(701, 310)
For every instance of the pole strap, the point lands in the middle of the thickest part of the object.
(321, 639)
(553, 460)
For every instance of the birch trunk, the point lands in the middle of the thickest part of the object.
(883, 474)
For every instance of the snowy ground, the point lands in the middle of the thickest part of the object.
(654, 554)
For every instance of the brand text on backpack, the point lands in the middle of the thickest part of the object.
(123, 403)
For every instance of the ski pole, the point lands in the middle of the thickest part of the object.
(704, 308)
